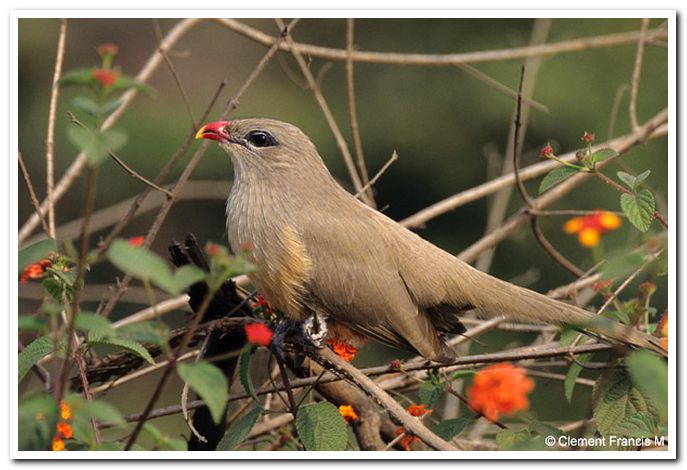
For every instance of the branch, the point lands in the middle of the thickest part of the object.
(331, 361)
(50, 140)
(636, 74)
(447, 60)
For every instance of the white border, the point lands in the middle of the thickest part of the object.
(672, 209)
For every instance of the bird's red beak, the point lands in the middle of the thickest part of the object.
(215, 131)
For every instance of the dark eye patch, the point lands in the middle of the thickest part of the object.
(261, 139)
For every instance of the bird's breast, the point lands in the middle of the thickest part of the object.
(258, 230)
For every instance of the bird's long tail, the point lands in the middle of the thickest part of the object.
(505, 299)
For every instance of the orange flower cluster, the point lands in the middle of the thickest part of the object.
(108, 48)
(64, 429)
(348, 413)
(408, 440)
(342, 349)
(589, 228)
(499, 389)
(418, 410)
(259, 334)
(35, 270)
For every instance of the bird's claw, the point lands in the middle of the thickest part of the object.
(315, 329)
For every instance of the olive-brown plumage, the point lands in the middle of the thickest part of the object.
(319, 249)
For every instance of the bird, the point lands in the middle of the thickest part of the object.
(320, 252)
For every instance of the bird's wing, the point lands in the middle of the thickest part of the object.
(355, 279)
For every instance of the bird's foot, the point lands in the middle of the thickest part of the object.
(315, 329)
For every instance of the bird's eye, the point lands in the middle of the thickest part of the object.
(261, 139)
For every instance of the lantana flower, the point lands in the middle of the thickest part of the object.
(342, 349)
(500, 389)
(259, 334)
(348, 413)
(589, 228)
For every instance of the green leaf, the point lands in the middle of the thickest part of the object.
(96, 144)
(33, 353)
(321, 427)
(459, 374)
(36, 252)
(104, 412)
(145, 332)
(130, 345)
(567, 336)
(111, 106)
(507, 439)
(628, 179)
(639, 208)
(637, 425)
(86, 105)
(641, 177)
(37, 419)
(87, 321)
(603, 154)
(662, 263)
(244, 374)
(77, 77)
(54, 288)
(450, 428)
(544, 429)
(429, 391)
(209, 382)
(31, 323)
(614, 398)
(555, 176)
(186, 276)
(620, 317)
(124, 82)
(142, 264)
(573, 373)
(649, 374)
(239, 430)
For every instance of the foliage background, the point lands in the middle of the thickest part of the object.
(441, 121)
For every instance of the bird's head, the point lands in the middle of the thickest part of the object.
(264, 146)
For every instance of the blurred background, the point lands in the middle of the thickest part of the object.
(449, 129)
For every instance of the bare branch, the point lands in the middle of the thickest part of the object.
(50, 140)
(448, 60)
(32, 193)
(636, 74)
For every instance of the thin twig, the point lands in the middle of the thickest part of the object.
(121, 163)
(50, 140)
(352, 110)
(636, 74)
(32, 193)
(517, 124)
(615, 108)
(175, 75)
(627, 282)
(552, 251)
(392, 159)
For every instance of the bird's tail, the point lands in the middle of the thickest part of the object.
(505, 299)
